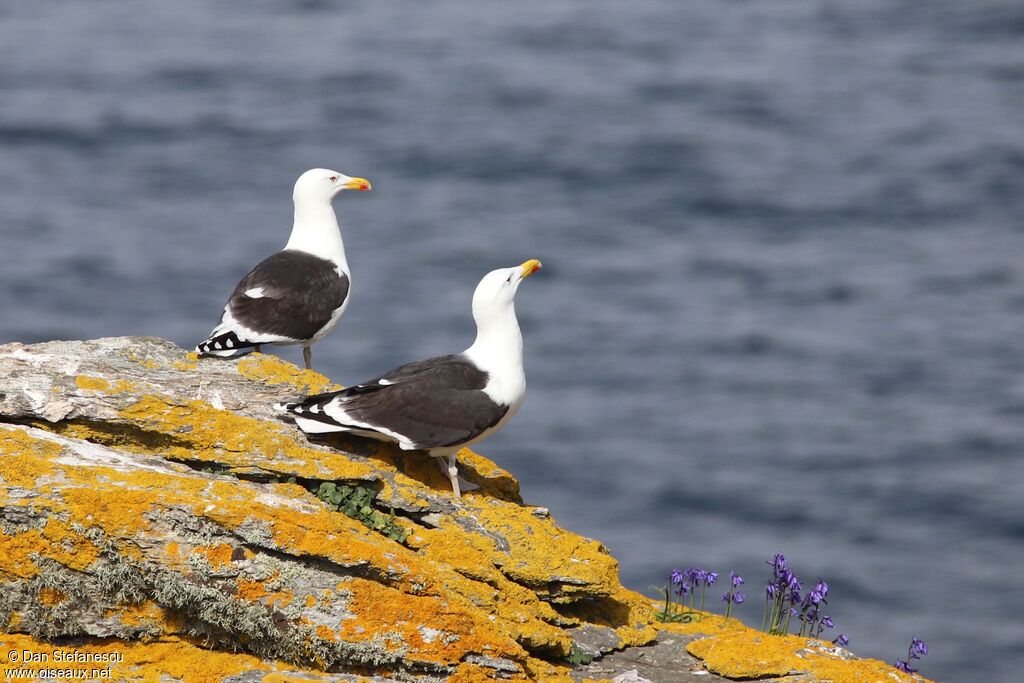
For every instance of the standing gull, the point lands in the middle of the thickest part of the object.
(297, 295)
(444, 403)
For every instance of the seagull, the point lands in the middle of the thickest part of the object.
(440, 404)
(297, 295)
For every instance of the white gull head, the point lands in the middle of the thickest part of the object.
(321, 185)
(316, 230)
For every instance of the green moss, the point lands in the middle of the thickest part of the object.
(357, 502)
(578, 657)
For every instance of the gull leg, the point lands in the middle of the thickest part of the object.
(256, 348)
(307, 355)
(447, 466)
(453, 474)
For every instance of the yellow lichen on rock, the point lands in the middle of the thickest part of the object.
(167, 658)
(24, 459)
(272, 370)
(22, 552)
(431, 628)
(91, 383)
(745, 653)
(195, 430)
(542, 555)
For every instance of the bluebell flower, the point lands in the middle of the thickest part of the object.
(904, 667)
(841, 640)
(676, 577)
(735, 579)
(917, 649)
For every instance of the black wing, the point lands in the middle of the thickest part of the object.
(297, 295)
(431, 404)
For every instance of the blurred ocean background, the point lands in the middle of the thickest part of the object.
(782, 306)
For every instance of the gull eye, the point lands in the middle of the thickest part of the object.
(334, 178)
(508, 279)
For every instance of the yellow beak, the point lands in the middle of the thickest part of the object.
(361, 184)
(529, 268)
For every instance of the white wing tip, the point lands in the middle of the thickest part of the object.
(317, 427)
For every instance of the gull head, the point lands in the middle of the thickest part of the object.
(323, 185)
(497, 290)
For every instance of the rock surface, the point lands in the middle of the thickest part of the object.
(153, 505)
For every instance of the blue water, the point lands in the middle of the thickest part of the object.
(783, 298)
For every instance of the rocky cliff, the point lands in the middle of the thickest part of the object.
(156, 510)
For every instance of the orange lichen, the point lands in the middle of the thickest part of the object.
(251, 590)
(91, 383)
(273, 371)
(539, 550)
(147, 363)
(24, 459)
(745, 653)
(56, 540)
(160, 659)
(51, 597)
(310, 601)
(256, 590)
(121, 386)
(434, 629)
(218, 555)
(147, 613)
(201, 432)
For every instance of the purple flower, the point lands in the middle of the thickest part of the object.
(770, 590)
(917, 648)
(904, 667)
(676, 577)
(841, 640)
(710, 578)
(683, 589)
(779, 563)
(736, 579)
(827, 622)
(738, 598)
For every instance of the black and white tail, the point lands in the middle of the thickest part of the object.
(311, 414)
(224, 344)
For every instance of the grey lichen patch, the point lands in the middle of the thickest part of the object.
(257, 532)
(17, 519)
(497, 663)
(189, 527)
(118, 580)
